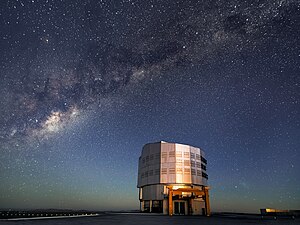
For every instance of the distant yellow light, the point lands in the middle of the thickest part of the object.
(270, 210)
(276, 210)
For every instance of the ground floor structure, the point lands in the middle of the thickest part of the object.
(175, 200)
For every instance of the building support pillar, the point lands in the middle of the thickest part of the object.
(206, 198)
(142, 206)
(150, 204)
(166, 206)
(170, 202)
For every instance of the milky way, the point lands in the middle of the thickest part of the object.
(193, 32)
(64, 61)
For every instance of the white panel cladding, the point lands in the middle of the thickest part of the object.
(167, 173)
(149, 165)
(196, 174)
(153, 192)
(170, 163)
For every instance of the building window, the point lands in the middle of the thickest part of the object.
(151, 157)
(187, 162)
(198, 164)
(203, 167)
(147, 158)
(164, 154)
(179, 154)
(199, 173)
(192, 155)
(172, 154)
(193, 172)
(146, 174)
(178, 164)
(203, 160)
(164, 171)
(172, 171)
(178, 170)
(187, 171)
(157, 171)
(150, 172)
(142, 176)
(186, 155)
(193, 163)
(144, 160)
(204, 175)
(197, 156)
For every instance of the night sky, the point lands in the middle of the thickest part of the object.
(85, 84)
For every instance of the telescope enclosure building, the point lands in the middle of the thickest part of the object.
(172, 179)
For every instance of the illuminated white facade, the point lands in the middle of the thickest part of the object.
(170, 166)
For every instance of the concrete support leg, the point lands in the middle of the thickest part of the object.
(166, 207)
(150, 206)
(142, 206)
(207, 205)
(170, 202)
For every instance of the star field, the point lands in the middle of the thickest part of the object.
(85, 84)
